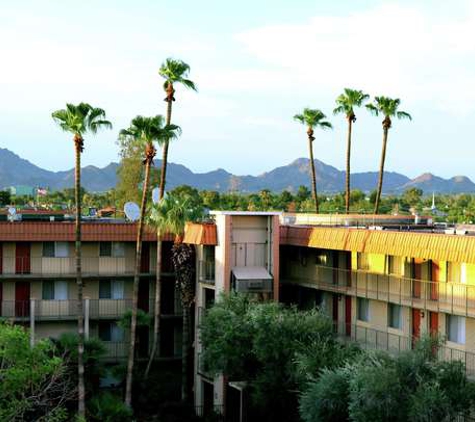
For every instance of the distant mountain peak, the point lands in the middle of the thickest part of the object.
(15, 171)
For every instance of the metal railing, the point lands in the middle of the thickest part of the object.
(449, 297)
(65, 309)
(215, 412)
(201, 367)
(46, 266)
(206, 273)
(371, 338)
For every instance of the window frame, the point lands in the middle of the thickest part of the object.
(359, 309)
(392, 307)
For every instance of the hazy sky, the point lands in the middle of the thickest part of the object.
(256, 64)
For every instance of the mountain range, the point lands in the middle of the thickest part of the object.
(15, 171)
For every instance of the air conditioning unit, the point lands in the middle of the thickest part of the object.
(244, 286)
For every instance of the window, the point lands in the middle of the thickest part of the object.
(105, 249)
(394, 316)
(321, 257)
(395, 265)
(363, 309)
(55, 290)
(111, 289)
(363, 261)
(61, 249)
(48, 249)
(110, 331)
(55, 249)
(112, 249)
(118, 249)
(454, 272)
(456, 329)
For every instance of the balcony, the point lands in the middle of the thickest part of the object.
(369, 338)
(206, 273)
(18, 267)
(448, 297)
(65, 309)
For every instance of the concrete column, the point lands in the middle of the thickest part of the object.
(32, 323)
(86, 318)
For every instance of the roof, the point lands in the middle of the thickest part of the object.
(40, 231)
(442, 247)
(251, 273)
(200, 234)
(246, 213)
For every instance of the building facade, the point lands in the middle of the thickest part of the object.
(38, 285)
(384, 280)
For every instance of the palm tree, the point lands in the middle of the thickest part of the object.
(144, 131)
(170, 215)
(346, 104)
(313, 119)
(174, 72)
(79, 120)
(388, 107)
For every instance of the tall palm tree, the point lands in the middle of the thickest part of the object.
(174, 72)
(346, 103)
(388, 107)
(79, 120)
(170, 215)
(144, 131)
(313, 118)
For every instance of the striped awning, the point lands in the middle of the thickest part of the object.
(443, 247)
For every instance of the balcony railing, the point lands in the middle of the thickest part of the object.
(206, 272)
(67, 309)
(371, 338)
(449, 297)
(43, 266)
(215, 412)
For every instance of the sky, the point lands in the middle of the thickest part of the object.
(256, 64)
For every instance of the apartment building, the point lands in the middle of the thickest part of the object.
(239, 252)
(384, 280)
(38, 286)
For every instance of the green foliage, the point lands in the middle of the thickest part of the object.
(412, 386)
(327, 400)
(347, 102)
(262, 343)
(143, 319)
(5, 197)
(33, 382)
(173, 211)
(388, 107)
(313, 118)
(80, 119)
(176, 71)
(107, 407)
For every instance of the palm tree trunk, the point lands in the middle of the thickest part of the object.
(185, 352)
(163, 173)
(381, 170)
(314, 177)
(81, 385)
(348, 158)
(135, 291)
(158, 280)
(156, 310)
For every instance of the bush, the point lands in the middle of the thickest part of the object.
(106, 407)
(327, 400)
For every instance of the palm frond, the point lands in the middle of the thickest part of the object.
(372, 109)
(403, 115)
(176, 71)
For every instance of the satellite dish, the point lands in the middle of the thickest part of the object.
(156, 195)
(12, 211)
(132, 211)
